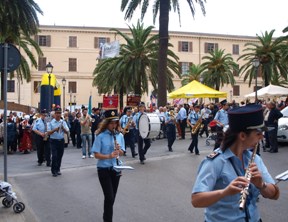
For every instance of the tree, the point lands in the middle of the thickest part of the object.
(219, 69)
(19, 21)
(270, 52)
(195, 72)
(163, 7)
(135, 65)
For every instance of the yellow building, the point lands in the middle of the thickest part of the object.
(74, 51)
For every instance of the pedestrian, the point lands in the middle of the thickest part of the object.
(182, 118)
(96, 119)
(26, 140)
(11, 135)
(220, 183)
(78, 130)
(56, 129)
(72, 128)
(195, 122)
(170, 122)
(108, 146)
(86, 135)
(40, 129)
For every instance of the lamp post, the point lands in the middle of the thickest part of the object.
(74, 101)
(70, 101)
(49, 70)
(256, 63)
(64, 84)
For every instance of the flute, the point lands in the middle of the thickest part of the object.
(248, 175)
(115, 145)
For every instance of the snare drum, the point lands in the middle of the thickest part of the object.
(149, 125)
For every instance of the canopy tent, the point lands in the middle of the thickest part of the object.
(269, 91)
(196, 89)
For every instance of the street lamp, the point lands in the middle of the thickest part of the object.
(74, 101)
(70, 101)
(256, 63)
(49, 70)
(64, 83)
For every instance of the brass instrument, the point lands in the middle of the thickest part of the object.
(126, 128)
(197, 125)
(245, 192)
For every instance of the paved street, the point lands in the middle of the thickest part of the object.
(155, 192)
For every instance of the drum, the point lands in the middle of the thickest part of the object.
(149, 125)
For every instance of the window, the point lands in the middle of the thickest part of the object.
(72, 87)
(43, 40)
(184, 67)
(37, 86)
(98, 41)
(72, 65)
(10, 85)
(73, 41)
(42, 61)
(185, 46)
(235, 49)
(236, 90)
(210, 47)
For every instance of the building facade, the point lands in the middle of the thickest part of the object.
(74, 53)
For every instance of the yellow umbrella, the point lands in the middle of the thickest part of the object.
(196, 89)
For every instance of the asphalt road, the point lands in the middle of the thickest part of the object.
(158, 191)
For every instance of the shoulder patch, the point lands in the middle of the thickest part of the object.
(213, 155)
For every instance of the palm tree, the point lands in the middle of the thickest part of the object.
(19, 21)
(270, 52)
(163, 7)
(195, 72)
(136, 64)
(218, 69)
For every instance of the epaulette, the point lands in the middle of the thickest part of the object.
(213, 155)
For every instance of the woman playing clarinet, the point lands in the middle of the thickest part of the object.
(230, 179)
(108, 146)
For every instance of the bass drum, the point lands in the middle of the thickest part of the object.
(149, 125)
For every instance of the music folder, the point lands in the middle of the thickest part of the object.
(123, 168)
(282, 176)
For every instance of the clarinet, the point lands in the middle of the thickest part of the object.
(245, 191)
(115, 145)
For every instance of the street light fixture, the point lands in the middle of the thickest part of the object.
(49, 70)
(70, 100)
(256, 63)
(64, 84)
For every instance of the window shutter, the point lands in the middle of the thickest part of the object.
(190, 47)
(206, 47)
(48, 39)
(236, 90)
(96, 39)
(179, 46)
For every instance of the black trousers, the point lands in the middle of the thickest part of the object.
(273, 139)
(79, 140)
(205, 128)
(194, 143)
(73, 137)
(43, 150)
(142, 151)
(130, 141)
(57, 151)
(171, 134)
(109, 180)
(183, 125)
(93, 136)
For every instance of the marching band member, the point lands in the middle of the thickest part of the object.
(192, 120)
(222, 120)
(170, 129)
(221, 186)
(108, 146)
(141, 151)
(42, 139)
(56, 129)
(128, 125)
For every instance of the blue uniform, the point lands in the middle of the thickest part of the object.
(193, 118)
(216, 174)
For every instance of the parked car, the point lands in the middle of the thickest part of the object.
(282, 134)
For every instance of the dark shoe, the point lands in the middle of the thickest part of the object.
(197, 153)
(200, 135)
(170, 150)
(59, 173)
(39, 164)
(134, 155)
(48, 164)
(142, 162)
(54, 174)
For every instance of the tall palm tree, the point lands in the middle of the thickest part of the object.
(19, 21)
(270, 53)
(194, 73)
(218, 69)
(163, 7)
(136, 64)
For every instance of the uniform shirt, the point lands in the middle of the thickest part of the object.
(104, 144)
(40, 126)
(193, 117)
(182, 114)
(136, 118)
(216, 174)
(205, 112)
(169, 120)
(55, 124)
(124, 121)
(222, 117)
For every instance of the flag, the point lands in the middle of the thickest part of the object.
(90, 105)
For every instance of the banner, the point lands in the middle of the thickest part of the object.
(90, 105)
(110, 50)
(110, 102)
(133, 100)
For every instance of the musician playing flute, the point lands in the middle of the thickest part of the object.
(220, 180)
(108, 146)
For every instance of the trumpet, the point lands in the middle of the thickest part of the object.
(248, 175)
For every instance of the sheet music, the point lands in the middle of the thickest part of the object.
(282, 176)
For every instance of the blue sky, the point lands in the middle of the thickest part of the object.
(236, 17)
